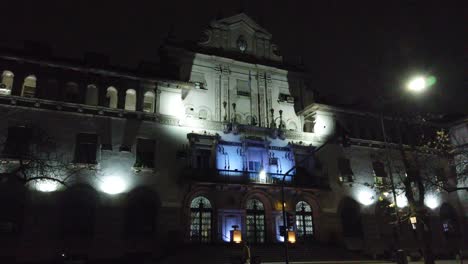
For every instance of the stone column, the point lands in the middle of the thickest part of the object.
(225, 72)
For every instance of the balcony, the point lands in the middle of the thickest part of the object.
(250, 177)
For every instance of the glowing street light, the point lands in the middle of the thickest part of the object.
(46, 185)
(113, 185)
(419, 84)
(291, 237)
(413, 221)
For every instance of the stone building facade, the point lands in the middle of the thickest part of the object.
(113, 162)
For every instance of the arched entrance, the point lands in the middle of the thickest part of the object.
(255, 221)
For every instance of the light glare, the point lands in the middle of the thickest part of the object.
(401, 201)
(366, 197)
(432, 202)
(417, 84)
(46, 185)
(113, 185)
(262, 176)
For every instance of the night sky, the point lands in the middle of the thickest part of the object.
(353, 50)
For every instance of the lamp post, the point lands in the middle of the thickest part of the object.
(417, 85)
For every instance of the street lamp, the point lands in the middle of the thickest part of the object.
(420, 83)
(413, 221)
(417, 84)
(236, 235)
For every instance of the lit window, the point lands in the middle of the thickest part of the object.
(380, 176)
(148, 102)
(200, 220)
(304, 222)
(130, 100)
(7, 83)
(29, 86)
(112, 97)
(86, 148)
(255, 221)
(145, 153)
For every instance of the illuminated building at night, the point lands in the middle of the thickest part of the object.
(116, 162)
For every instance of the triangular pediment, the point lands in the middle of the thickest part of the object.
(241, 21)
(240, 34)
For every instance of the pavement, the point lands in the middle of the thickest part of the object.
(368, 262)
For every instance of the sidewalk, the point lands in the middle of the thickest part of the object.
(366, 262)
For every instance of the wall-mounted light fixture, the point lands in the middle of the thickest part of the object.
(236, 235)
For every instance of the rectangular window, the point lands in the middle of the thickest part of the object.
(202, 158)
(254, 165)
(380, 176)
(243, 88)
(29, 91)
(86, 148)
(273, 161)
(18, 142)
(148, 105)
(145, 149)
(344, 167)
(285, 98)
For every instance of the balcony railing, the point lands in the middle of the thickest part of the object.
(251, 177)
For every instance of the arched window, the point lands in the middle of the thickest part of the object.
(91, 95)
(148, 102)
(112, 97)
(304, 222)
(71, 92)
(130, 100)
(292, 126)
(7, 82)
(29, 86)
(203, 114)
(200, 219)
(255, 221)
(250, 120)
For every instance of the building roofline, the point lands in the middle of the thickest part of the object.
(96, 70)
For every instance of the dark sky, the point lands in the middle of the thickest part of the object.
(353, 50)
